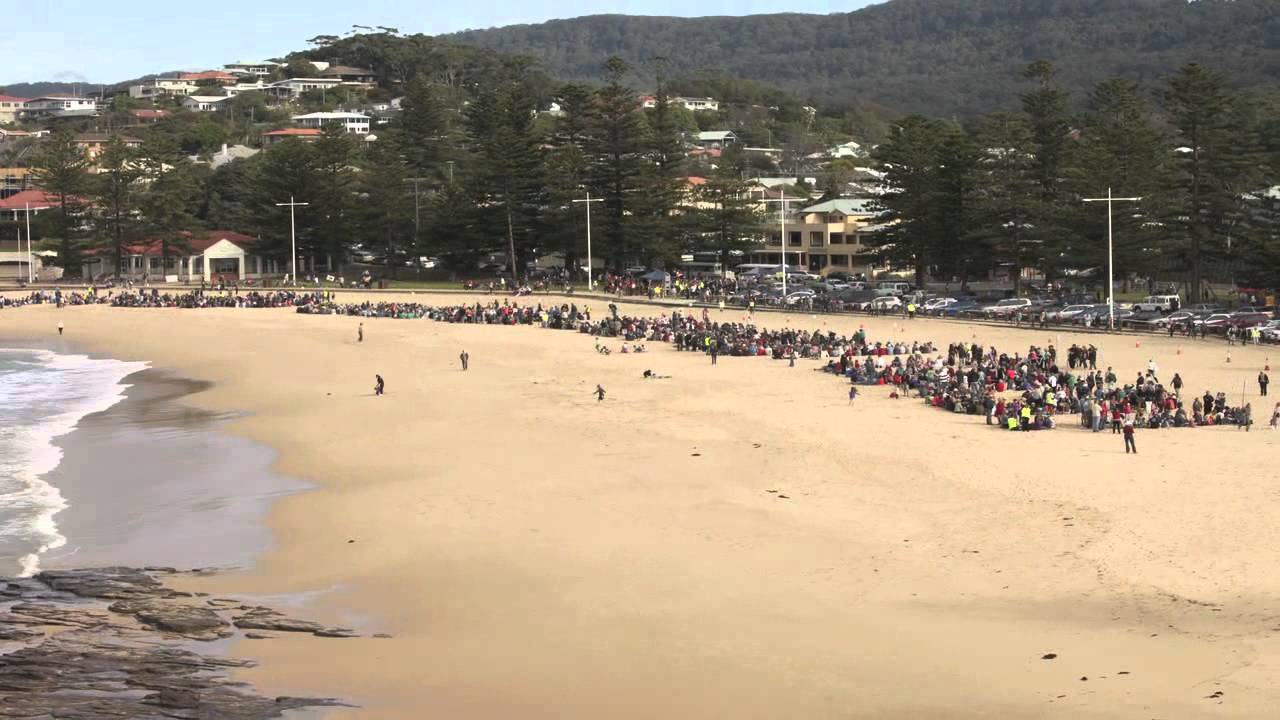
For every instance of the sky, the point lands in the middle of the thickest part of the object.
(105, 42)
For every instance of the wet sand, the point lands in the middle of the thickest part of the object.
(537, 554)
(152, 481)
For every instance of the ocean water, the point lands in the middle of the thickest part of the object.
(43, 395)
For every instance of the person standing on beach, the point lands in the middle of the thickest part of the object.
(466, 359)
(1263, 381)
(1128, 436)
(378, 386)
(853, 393)
(60, 328)
(599, 393)
(715, 350)
(360, 333)
(1177, 384)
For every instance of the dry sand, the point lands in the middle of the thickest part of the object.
(538, 555)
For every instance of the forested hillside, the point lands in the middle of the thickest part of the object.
(940, 57)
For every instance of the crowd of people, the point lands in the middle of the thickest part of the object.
(978, 380)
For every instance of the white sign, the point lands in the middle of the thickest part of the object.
(171, 278)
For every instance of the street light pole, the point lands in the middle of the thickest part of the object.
(782, 198)
(30, 270)
(293, 237)
(591, 285)
(1111, 282)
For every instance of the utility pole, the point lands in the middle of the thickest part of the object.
(782, 219)
(417, 218)
(450, 164)
(1111, 283)
(293, 237)
(590, 268)
(30, 270)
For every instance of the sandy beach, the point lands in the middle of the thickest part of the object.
(537, 554)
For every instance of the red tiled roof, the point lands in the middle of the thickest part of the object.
(198, 241)
(293, 131)
(10, 98)
(149, 113)
(37, 199)
(695, 180)
(206, 75)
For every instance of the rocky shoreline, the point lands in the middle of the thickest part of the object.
(116, 642)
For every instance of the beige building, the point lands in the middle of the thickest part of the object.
(823, 238)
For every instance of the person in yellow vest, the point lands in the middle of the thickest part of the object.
(1026, 417)
(1013, 423)
(911, 310)
(1049, 402)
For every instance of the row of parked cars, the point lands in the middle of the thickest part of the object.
(1155, 313)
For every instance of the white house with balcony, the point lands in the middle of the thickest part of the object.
(205, 103)
(60, 106)
(354, 123)
(293, 87)
(259, 68)
(162, 87)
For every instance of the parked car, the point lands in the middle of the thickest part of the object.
(937, 304)
(1162, 303)
(1205, 307)
(1068, 313)
(1215, 322)
(1271, 331)
(898, 287)
(886, 302)
(961, 308)
(1007, 307)
(800, 296)
(1242, 320)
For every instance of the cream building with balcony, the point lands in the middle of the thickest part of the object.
(827, 237)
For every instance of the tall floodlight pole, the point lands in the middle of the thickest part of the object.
(30, 270)
(293, 237)
(782, 222)
(1111, 283)
(591, 283)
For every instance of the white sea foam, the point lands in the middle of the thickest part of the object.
(43, 395)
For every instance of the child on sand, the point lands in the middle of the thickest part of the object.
(378, 386)
(599, 393)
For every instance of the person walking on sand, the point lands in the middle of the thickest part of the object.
(853, 393)
(360, 333)
(1129, 445)
(1263, 381)
(715, 351)
(379, 386)
(60, 329)
(599, 393)
(466, 360)
(1275, 416)
(1246, 417)
(1177, 384)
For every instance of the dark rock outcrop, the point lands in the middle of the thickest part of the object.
(78, 658)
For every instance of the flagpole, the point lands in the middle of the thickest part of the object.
(30, 270)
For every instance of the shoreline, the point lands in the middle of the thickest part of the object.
(595, 557)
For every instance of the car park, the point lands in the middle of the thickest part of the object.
(1158, 303)
(1007, 307)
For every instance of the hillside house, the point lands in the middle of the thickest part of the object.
(14, 180)
(293, 87)
(348, 75)
(218, 77)
(300, 134)
(162, 87)
(11, 108)
(692, 104)
(14, 208)
(257, 68)
(715, 139)
(204, 103)
(58, 106)
(354, 123)
(94, 143)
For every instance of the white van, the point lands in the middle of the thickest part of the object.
(896, 287)
(1158, 303)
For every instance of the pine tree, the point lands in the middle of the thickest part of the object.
(1210, 164)
(60, 167)
(167, 201)
(728, 219)
(1009, 195)
(334, 156)
(910, 160)
(659, 228)
(114, 196)
(1119, 148)
(384, 215)
(615, 148)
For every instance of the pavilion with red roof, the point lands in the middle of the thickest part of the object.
(208, 255)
